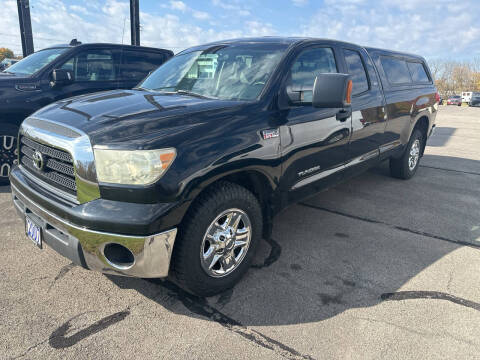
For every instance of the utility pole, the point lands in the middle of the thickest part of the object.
(25, 26)
(135, 22)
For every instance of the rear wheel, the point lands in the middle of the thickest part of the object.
(406, 166)
(217, 240)
(8, 150)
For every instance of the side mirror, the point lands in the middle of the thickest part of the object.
(61, 77)
(332, 90)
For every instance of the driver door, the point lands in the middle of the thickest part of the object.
(314, 143)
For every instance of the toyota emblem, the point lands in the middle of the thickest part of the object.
(37, 159)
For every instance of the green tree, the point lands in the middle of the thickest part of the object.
(5, 53)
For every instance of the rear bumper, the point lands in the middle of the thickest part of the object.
(85, 246)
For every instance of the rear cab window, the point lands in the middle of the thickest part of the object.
(396, 70)
(418, 73)
(137, 64)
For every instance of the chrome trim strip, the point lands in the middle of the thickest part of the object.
(325, 173)
(389, 146)
(152, 253)
(80, 148)
(316, 177)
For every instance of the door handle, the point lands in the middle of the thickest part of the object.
(344, 114)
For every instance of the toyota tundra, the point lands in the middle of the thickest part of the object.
(181, 176)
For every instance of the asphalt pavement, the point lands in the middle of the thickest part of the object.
(373, 268)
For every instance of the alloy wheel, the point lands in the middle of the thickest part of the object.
(225, 243)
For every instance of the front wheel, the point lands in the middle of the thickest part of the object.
(406, 166)
(217, 240)
(8, 150)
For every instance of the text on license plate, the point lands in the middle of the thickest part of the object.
(34, 232)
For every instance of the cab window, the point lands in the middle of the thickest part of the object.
(308, 65)
(93, 65)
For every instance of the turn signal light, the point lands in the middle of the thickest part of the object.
(348, 98)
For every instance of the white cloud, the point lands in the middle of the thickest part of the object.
(406, 25)
(178, 5)
(201, 15)
(234, 7)
(182, 7)
(79, 9)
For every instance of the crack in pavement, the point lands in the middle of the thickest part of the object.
(452, 170)
(437, 295)
(200, 307)
(397, 227)
(63, 271)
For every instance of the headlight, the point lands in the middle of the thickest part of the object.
(132, 167)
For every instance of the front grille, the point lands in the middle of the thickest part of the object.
(58, 164)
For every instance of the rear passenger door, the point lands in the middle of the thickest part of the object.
(136, 64)
(368, 111)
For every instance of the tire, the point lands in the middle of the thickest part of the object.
(8, 150)
(405, 166)
(200, 240)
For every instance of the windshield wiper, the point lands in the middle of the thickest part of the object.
(191, 93)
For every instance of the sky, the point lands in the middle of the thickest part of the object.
(432, 28)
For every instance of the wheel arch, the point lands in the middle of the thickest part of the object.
(256, 181)
(422, 124)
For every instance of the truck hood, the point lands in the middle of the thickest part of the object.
(133, 118)
(6, 77)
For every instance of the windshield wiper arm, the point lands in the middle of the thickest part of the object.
(187, 92)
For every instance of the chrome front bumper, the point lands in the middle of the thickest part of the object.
(151, 254)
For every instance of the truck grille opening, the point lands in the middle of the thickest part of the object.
(57, 167)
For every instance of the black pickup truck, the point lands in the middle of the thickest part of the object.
(181, 176)
(63, 71)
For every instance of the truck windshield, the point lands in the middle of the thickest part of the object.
(32, 63)
(236, 72)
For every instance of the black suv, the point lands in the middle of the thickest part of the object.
(63, 71)
(182, 175)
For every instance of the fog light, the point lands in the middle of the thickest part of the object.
(118, 256)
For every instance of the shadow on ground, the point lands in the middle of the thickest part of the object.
(341, 249)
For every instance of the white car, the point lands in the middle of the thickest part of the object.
(466, 96)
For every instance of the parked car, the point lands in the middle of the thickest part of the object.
(475, 100)
(466, 96)
(182, 175)
(454, 100)
(5, 63)
(63, 71)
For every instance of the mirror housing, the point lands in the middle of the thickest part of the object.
(61, 77)
(332, 90)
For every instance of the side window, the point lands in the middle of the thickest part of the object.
(357, 71)
(308, 65)
(92, 65)
(419, 75)
(396, 70)
(137, 64)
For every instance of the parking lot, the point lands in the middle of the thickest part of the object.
(373, 268)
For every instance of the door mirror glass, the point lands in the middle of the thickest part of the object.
(332, 90)
(61, 77)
